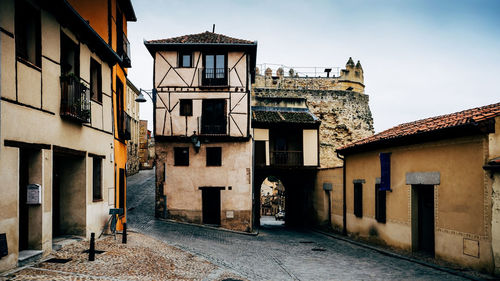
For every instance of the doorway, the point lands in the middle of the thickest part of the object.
(272, 202)
(423, 218)
(23, 207)
(211, 205)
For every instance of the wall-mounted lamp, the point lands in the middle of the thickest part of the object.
(196, 142)
(141, 97)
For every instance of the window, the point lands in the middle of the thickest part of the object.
(120, 108)
(215, 70)
(27, 29)
(186, 107)
(97, 179)
(95, 80)
(213, 117)
(185, 59)
(358, 199)
(69, 56)
(380, 210)
(214, 156)
(181, 156)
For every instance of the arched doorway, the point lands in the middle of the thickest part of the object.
(272, 202)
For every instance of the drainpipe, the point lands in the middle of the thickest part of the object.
(344, 207)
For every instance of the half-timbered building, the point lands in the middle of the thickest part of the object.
(202, 128)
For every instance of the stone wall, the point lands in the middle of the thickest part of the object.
(345, 117)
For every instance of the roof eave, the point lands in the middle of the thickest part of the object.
(128, 9)
(483, 127)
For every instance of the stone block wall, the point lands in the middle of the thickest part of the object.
(345, 117)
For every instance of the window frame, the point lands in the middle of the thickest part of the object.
(182, 109)
(97, 97)
(214, 156)
(67, 44)
(178, 160)
(24, 15)
(358, 199)
(181, 61)
(97, 196)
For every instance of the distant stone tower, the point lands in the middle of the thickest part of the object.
(351, 78)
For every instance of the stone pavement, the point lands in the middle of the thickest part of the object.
(277, 253)
(142, 258)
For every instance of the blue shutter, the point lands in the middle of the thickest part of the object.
(385, 171)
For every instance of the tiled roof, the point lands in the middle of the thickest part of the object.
(470, 116)
(202, 38)
(298, 117)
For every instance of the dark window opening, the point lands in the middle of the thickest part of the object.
(214, 156)
(185, 59)
(186, 107)
(69, 57)
(380, 204)
(181, 156)
(95, 80)
(213, 117)
(97, 179)
(358, 200)
(28, 33)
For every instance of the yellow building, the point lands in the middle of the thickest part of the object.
(110, 22)
(57, 88)
(423, 186)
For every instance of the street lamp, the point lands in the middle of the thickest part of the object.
(141, 97)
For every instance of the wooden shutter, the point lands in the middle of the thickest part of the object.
(358, 200)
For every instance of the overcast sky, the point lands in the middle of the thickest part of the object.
(420, 58)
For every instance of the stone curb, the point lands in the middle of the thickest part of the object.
(395, 255)
(255, 233)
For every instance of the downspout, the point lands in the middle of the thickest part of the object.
(344, 206)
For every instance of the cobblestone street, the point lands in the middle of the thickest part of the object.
(277, 253)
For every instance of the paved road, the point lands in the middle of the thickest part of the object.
(277, 253)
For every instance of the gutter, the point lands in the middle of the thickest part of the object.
(344, 206)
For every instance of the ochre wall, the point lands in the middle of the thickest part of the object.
(461, 205)
(320, 197)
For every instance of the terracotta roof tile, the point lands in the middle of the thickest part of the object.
(202, 38)
(283, 117)
(469, 116)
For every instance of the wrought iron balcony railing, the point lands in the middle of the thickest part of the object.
(75, 99)
(124, 51)
(124, 126)
(287, 158)
(211, 127)
(213, 77)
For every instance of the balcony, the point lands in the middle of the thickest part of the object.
(124, 50)
(212, 127)
(287, 158)
(124, 126)
(213, 77)
(75, 99)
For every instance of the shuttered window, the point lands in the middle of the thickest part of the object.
(380, 204)
(358, 200)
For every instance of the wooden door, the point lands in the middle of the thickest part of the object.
(211, 205)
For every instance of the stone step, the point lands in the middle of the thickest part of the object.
(28, 256)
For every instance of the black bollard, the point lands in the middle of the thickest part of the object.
(92, 247)
(124, 235)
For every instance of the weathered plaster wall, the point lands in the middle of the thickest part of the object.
(181, 183)
(462, 207)
(331, 176)
(494, 152)
(345, 117)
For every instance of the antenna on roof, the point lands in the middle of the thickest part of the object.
(213, 28)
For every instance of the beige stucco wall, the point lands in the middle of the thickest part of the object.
(40, 88)
(184, 200)
(310, 147)
(319, 196)
(494, 152)
(462, 206)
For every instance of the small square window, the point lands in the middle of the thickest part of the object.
(186, 108)
(181, 156)
(185, 60)
(214, 156)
